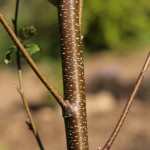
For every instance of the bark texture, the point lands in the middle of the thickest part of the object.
(73, 75)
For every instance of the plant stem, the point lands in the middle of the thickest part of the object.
(31, 124)
(21, 89)
(128, 105)
(73, 75)
(21, 48)
(16, 18)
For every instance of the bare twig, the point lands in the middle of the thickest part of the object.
(31, 123)
(113, 136)
(59, 99)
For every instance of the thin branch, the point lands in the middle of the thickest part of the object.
(16, 18)
(31, 123)
(128, 105)
(59, 99)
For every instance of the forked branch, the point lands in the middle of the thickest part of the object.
(113, 136)
(21, 48)
(31, 123)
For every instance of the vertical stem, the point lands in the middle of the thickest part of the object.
(16, 18)
(15, 23)
(73, 75)
(21, 88)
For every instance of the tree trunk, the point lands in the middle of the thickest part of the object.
(73, 75)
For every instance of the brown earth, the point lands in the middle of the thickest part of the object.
(103, 112)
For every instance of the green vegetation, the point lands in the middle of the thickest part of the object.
(116, 24)
(107, 25)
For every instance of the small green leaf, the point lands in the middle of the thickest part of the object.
(9, 53)
(32, 48)
(27, 32)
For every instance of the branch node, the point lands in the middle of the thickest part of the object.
(67, 109)
(20, 91)
(29, 125)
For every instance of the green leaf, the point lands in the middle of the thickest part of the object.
(9, 53)
(27, 32)
(32, 48)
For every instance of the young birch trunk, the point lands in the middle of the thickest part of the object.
(73, 75)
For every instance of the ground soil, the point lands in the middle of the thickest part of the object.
(135, 134)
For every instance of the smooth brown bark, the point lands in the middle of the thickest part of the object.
(73, 75)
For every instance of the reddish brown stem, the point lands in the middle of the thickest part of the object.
(73, 75)
(128, 105)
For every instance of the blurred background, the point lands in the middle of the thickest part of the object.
(116, 42)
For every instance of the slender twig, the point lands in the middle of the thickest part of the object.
(31, 123)
(113, 136)
(59, 99)
(16, 18)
